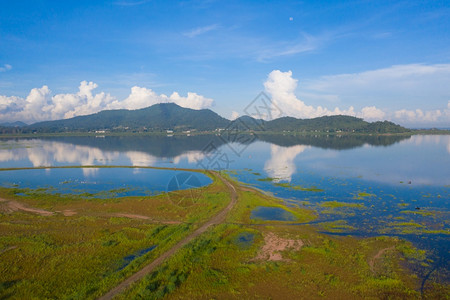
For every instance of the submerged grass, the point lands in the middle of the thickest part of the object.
(82, 255)
(340, 204)
(298, 187)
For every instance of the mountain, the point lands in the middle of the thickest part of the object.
(169, 116)
(330, 124)
(13, 124)
(158, 117)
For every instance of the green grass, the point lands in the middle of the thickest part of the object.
(298, 187)
(80, 256)
(362, 195)
(335, 204)
(214, 267)
(270, 179)
(418, 212)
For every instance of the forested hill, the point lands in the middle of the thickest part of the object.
(171, 117)
(330, 124)
(157, 117)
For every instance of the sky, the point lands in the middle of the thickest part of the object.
(378, 60)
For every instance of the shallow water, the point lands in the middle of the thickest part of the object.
(245, 239)
(272, 214)
(102, 182)
(371, 185)
(129, 258)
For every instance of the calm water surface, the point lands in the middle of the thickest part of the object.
(383, 185)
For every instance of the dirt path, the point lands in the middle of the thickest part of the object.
(11, 206)
(217, 219)
(377, 256)
(141, 217)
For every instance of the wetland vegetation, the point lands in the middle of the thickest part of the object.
(315, 217)
(83, 247)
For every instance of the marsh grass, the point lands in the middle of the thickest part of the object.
(81, 256)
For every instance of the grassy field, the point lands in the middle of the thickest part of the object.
(81, 248)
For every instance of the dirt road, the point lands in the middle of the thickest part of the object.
(217, 219)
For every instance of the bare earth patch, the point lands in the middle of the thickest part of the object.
(378, 256)
(12, 206)
(7, 249)
(132, 216)
(69, 212)
(273, 245)
(140, 217)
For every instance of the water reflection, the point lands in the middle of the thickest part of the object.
(281, 165)
(388, 159)
(43, 152)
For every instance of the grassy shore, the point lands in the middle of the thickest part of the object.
(83, 247)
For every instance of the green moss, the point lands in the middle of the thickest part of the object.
(418, 212)
(340, 204)
(266, 179)
(336, 226)
(298, 187)
(406, 224)
(82, 253)
(362, 195)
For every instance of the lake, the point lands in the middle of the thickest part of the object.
(360, 186)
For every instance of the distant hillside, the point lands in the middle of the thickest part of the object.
(169, 116)
(330, 124)
(164, 116)
(13, 124)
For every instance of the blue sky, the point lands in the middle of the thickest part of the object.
(372, 59)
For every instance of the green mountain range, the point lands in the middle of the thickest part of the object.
(169, 116)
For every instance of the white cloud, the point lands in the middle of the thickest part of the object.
(282, 87)
(400, 89)
(142, 97)
(40, 105)
(411, 80)
(371, 113)
(82, 103)
(418, 115)
(192, 100)
(139, 98)
(200, 30)
(5, 68)
(234, 115)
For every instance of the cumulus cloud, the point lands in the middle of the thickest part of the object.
(192, 100)
(371, 113)
(41, 105)
(234, 115)
(142, 97)
(399, 89)
(282, 87)
(418, 115)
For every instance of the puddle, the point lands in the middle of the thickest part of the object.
(266, 213)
